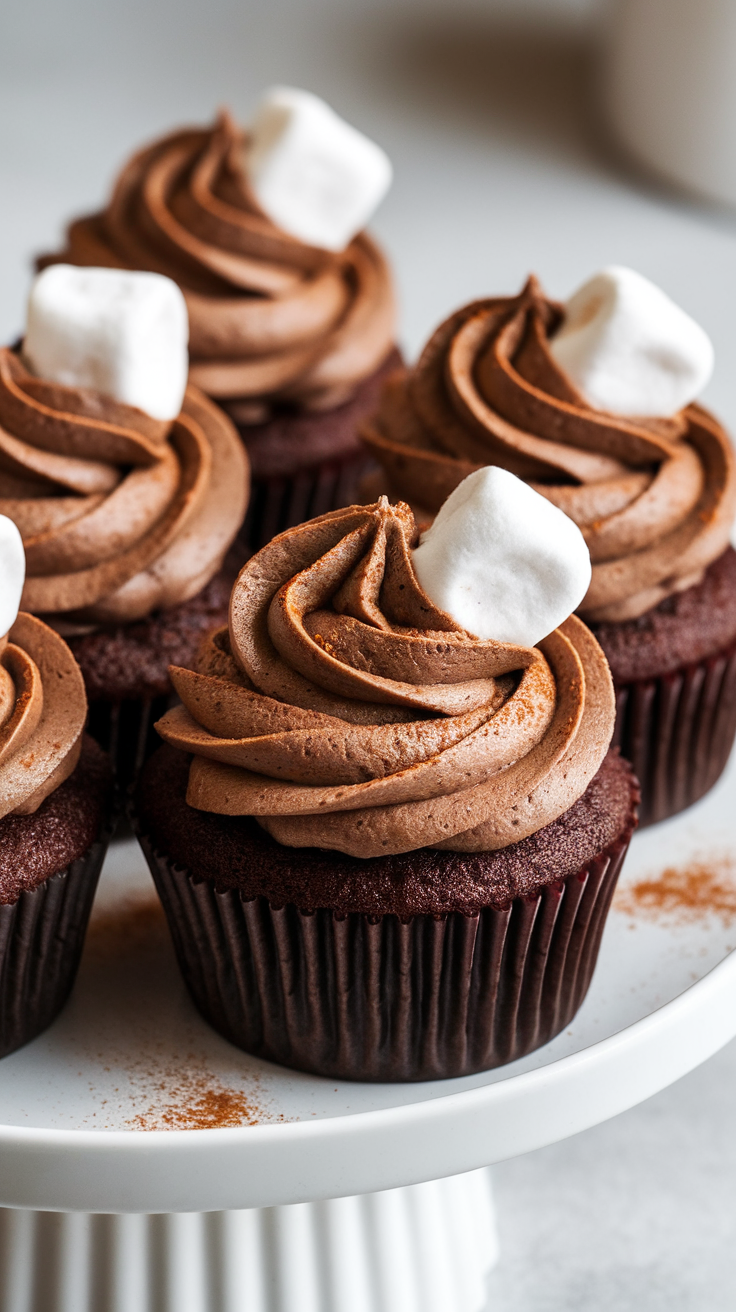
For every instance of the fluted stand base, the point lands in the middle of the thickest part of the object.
(423, 1248)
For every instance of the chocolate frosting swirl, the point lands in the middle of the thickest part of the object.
(655, 499)
(120, 514)
(43, 708)
(270, 317)
(345, 711)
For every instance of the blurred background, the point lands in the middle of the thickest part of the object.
(488, 108)
(491, 113)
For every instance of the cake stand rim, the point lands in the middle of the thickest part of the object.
(368, 1151)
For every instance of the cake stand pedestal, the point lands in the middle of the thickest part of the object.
(423, 1248)
(148, 1166)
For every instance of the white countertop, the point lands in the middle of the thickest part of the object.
(485, 110)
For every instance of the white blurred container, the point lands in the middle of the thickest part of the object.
(670, 89)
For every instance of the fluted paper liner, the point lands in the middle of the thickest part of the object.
(41, 940)
(281, 502)
(124, 729)
(361, 997)
(677, 731)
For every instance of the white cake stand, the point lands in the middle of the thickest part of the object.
(317, 1196)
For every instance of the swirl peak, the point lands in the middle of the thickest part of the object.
(654, 497)
(345, 710)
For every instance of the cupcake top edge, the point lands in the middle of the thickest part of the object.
(122, 508)
(649, 477)
(346, 709)
(274, 318)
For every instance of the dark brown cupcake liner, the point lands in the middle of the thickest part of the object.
(41, 940)
(124, 729)
(278, 503)
(377, 998)
(677, 731)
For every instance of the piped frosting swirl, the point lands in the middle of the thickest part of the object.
(345, 711)
(270, 318)
(43, 708)
(654, 498)
(120, 514)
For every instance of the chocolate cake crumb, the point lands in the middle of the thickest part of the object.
(293, 439)
(128, 661)
(234, 852)
(683, 629)
(32, 847)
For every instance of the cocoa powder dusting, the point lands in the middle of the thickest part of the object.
(192, 1101)
(134, 924)
(167, 1078)
(684, 894)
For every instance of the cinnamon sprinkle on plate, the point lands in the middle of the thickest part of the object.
(197, 1101)
(684, 894)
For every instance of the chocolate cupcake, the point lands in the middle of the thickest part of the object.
(126, 516)
(291, 316)
(55, 808)
(386, 848)
(530, 386)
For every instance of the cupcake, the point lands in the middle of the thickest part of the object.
(127, 485)
(291, 304)
(593, 405)
(385, 840)
(55, 806)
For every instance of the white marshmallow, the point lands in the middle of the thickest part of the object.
(123, 333)
(313, 174)
(12, 573)
(629, 349)
(502, 560)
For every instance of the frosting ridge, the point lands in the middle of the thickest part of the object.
(43, 708)
(344, 710)
(270, 317)
(654, 498)
(120, 514)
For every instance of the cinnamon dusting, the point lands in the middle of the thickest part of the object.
(682, 895)
(170, 1086)
(135, 922)
(195, 1101)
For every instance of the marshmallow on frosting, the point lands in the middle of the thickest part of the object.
(12, 573)
(502, 560)
(629, 349)
(123, 333)
(343, 710)
(313, 174)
